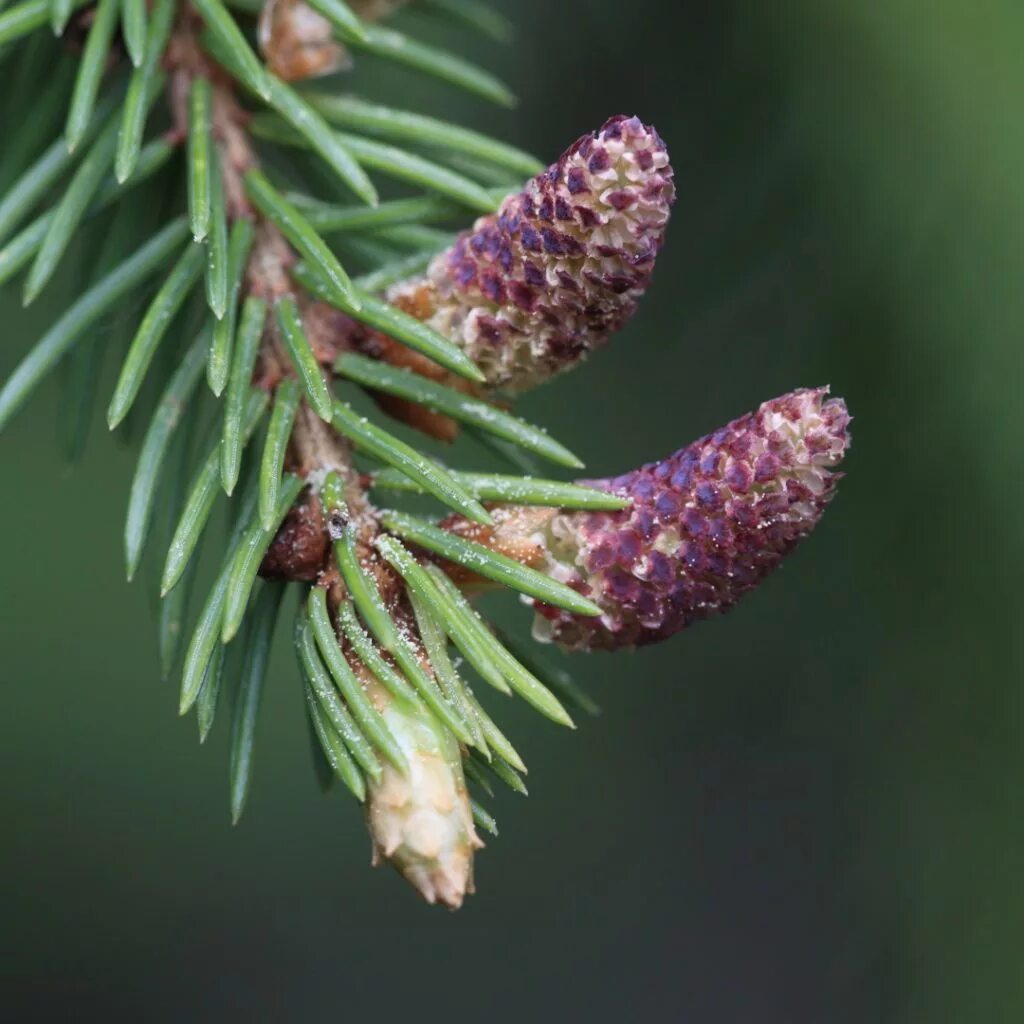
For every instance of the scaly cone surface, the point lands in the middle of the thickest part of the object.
(706, 525)
(531, 290)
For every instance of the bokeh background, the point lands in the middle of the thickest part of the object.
(809, 810)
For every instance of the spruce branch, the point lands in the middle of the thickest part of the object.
(276, 271)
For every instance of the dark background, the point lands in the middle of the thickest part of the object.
(809, 810)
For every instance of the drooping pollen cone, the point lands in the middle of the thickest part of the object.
(706, 525)
(532, 289)
(422, 822)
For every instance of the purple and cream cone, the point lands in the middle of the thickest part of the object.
(531, 290)
(705, 526)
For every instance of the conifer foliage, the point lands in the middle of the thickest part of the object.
(205, 163)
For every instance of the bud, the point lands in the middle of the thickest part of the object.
(422, 822)
(298, 42)
(532, 289)
(706, 525)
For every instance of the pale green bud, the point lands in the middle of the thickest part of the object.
(421, 821)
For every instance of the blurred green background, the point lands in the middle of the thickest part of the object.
(809, 810)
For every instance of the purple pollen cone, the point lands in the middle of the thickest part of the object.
(706, 525)
(530, 290)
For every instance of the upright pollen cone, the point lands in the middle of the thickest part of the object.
(421, 821)
(531, 290)
(706, 525)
